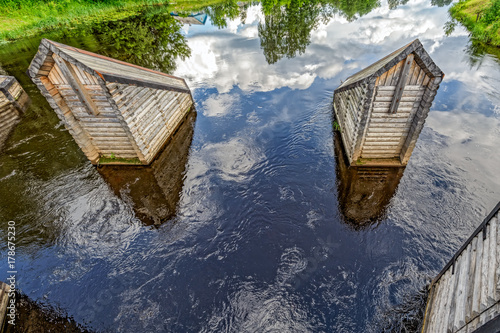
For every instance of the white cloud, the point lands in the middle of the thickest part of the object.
(220, 105)
(234, 57)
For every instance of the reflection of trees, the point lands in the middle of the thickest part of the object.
(393, 4)
(440, 3)
(286, 30)
(153, 41)
(288, 23)
(221, 12)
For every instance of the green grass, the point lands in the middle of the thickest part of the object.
(481, 18)
(24, 18)
(117, 160)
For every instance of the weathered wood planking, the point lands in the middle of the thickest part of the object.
(13, 103)
(4, 298)
(114, 110)
(387, 103)
(465, 296)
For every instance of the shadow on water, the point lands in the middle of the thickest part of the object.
(37, 318)
(154, 191)
(364, 192)
(11, 114)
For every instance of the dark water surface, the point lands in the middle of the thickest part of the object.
(258, 241)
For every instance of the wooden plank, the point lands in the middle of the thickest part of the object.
(421, 77)
(426, 81)
(384, 120)
(414, 75)
(382, 135)
(54, 77)
(390, 75)
(404, 98)
(388, 105)
(382, 79)
(397, 73)
(381, 143)
(461, 298)
(407, 87)
(453, 290)
(436, 306)
(485, 263)
(390, 125)
(4, 302)
(398, 92)
(77, 85)
(400, 130)
(470, 292)
(497, 294)
(442, 305)
(476, 296)
(491, 274)
(449, 302)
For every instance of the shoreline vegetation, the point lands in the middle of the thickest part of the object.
(26, 18)
(480, 17)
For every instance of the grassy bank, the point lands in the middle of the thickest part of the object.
(481, 18)
(22, 18)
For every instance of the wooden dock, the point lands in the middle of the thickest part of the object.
(13, 103)
(381, 110)
(117, 112)
(465, 296)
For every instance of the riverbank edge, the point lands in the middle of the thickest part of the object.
(93, 14)
(470, 14)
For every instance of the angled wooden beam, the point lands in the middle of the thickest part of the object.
(76, 84)
(400, 86)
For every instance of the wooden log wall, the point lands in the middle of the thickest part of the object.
(152, 115)
(58, 101)
(349, 110)
(466, 294)
(387, 131)
(118, 113)
(13, 102)
(417, 124)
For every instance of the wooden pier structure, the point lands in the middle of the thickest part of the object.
(381, 110)
(118, 113)
(465, 296)
(13, 103)
(154, 191)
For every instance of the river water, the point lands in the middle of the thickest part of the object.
(248, 227)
